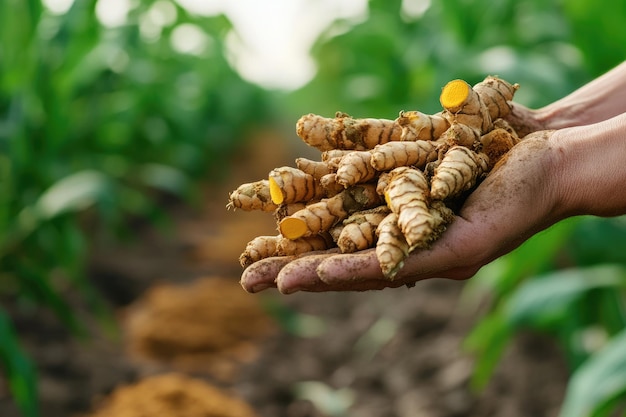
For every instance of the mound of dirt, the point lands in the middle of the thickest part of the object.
(172, 395)
(208, 325)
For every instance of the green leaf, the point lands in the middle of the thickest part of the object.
(599, 240)
(599, 381)
(18, 369)
(35, 283)
(75, 192)
(164, 177)
(503, 275)
(550, 295)
(488, 341)
(536, 301)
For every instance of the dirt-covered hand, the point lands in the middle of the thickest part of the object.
(548, 176)
(514, 202)
(568, 160)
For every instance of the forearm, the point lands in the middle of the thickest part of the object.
(591, 165)
(599, 100)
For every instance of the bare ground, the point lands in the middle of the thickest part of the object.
(178, 308)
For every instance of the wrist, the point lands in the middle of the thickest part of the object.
(588, 165)
(566, 113)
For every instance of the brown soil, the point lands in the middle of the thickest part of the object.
(192, 343)
(172, 395)
(208, 325)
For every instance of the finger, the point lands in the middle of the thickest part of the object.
(353, 267)
(300, 275)
(363, 270)
(449, 257)
(261, 275)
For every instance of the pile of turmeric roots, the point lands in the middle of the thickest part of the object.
(388, 184)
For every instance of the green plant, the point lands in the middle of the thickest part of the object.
(21, 372)
(550, 284)
(394, 60)
(97, 124)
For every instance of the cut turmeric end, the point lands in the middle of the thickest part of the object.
(276, 192)
(293, 228)
(454, 94)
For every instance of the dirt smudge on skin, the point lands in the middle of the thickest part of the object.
(506, 182)
(262, 274)
(350, 266)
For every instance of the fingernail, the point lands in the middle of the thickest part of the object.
(287, 289)
(257, 288)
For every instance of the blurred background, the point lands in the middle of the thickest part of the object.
(125, 123)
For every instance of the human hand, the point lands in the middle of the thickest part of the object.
(517, 200)
(572, 164)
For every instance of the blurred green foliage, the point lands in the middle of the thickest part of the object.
(399, 61)
(569, 282)
(98, 124)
